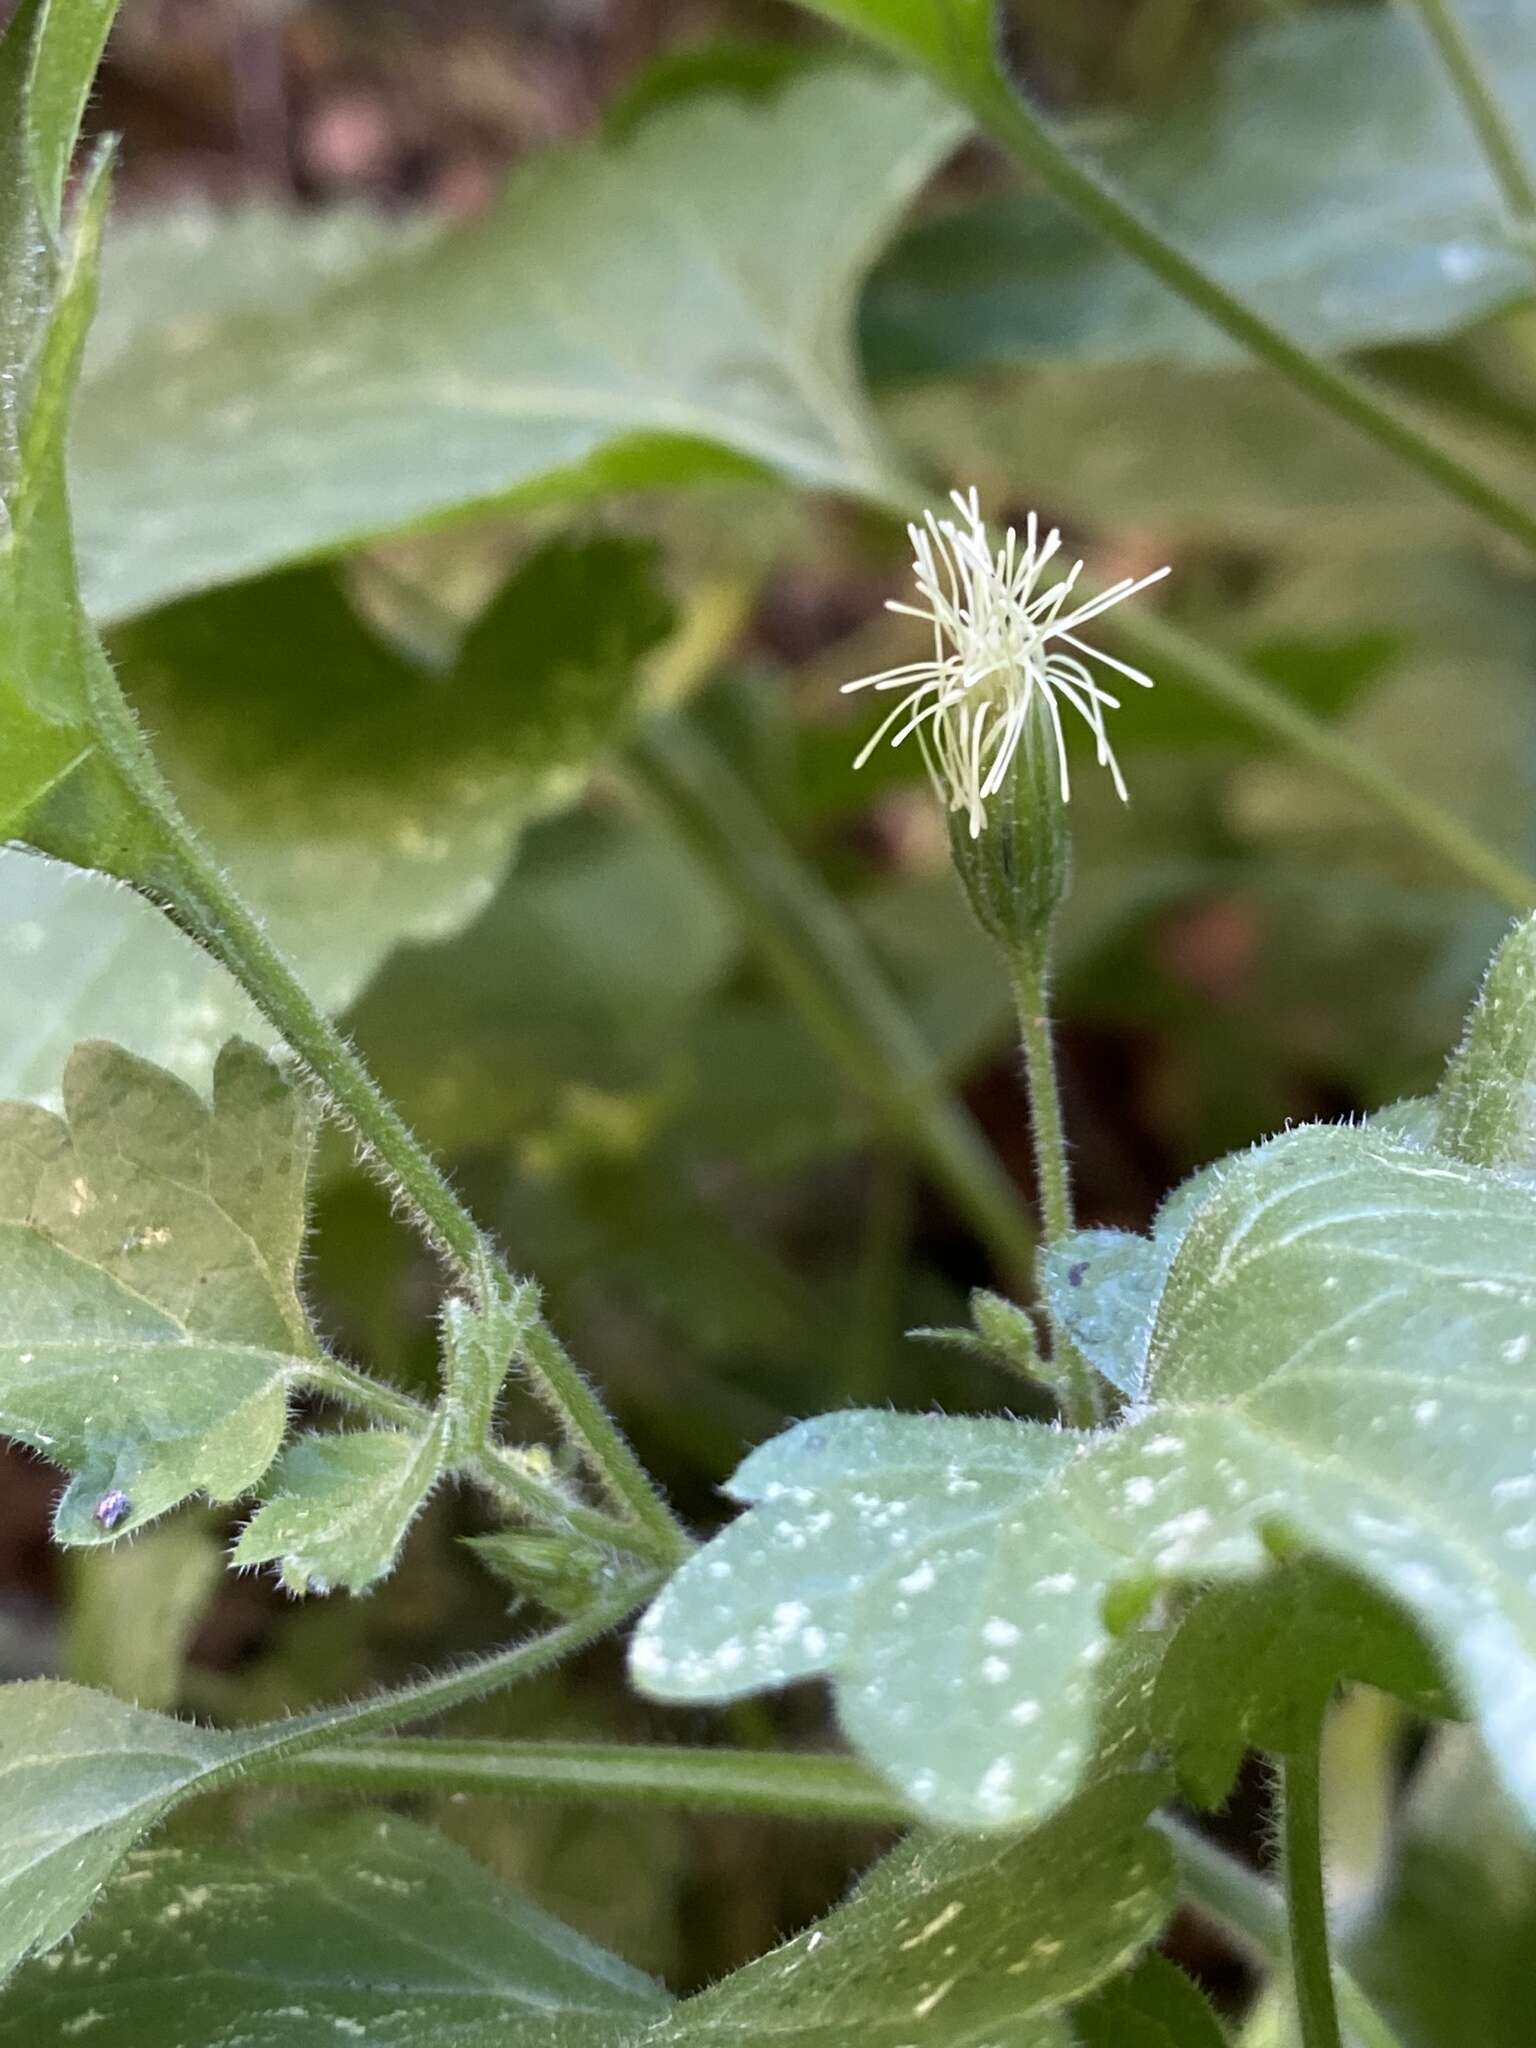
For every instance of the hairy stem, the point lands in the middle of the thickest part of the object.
(1248, 1909)
(435, 1695)
(1241, 1903)
(1037, 1040)
(1087, 192)
(200, 898)
(1301, 1805)
(1031, 992)
(1499, 142)
(824, 966)
(787, 1787)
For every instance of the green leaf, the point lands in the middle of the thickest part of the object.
(1155, 2006)
(338, 1506)
(363, 800)
(635, 312)
(951, 39)
(366, 1927)
(1253, 1666)
(1338, 1357)
(480, 1341)
(959, 1943)
(1217, 454)
(85, 1776)
(377, 1927)
(571, 996)
(1447, 1953)
(150, 1328)
(83, 957)
(1325, 171)
(46, 296)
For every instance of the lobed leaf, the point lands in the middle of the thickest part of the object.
(1330, 1347)
(149, 1323)
(337, 1507)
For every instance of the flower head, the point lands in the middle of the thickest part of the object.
(1002, 647)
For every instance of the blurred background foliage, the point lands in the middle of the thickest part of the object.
(390, 654)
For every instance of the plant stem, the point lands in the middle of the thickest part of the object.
(190, 884)
(823, 964)
(1301, 1802)
(429, 1696)
(1021, 129)
(1248, 1909)
(1244, 1905)
(500, 1469)
(812, 1788)
(1031, 994)
(1156, 643)
(1500, 144)
(1031, 998)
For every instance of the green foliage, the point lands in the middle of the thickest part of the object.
(360, 1928)
(337, 1507)
(1446, 1947)
(368, 799)
(149, 1243)
(378, 1924)
(541, 353)
(49, 274)
(1155, 2006)
(1323, 169)
(1332, 1289)
(1487, 1104)
(81, 957)
(649, 1046)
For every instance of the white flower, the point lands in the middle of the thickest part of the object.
(999, 644)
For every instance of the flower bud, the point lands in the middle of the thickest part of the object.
(1016, 869)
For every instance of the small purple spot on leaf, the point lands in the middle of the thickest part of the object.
(111, 1509)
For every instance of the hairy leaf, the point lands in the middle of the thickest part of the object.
(364, 1928)
(480, 1340)
(374, 1925)
(633, 312)
(1329, 1344)
(149, 1325)
(338, 1507)
(84, 1777)
(1325, 171)
(950, 1941)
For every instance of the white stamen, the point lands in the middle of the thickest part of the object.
(993, 657)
